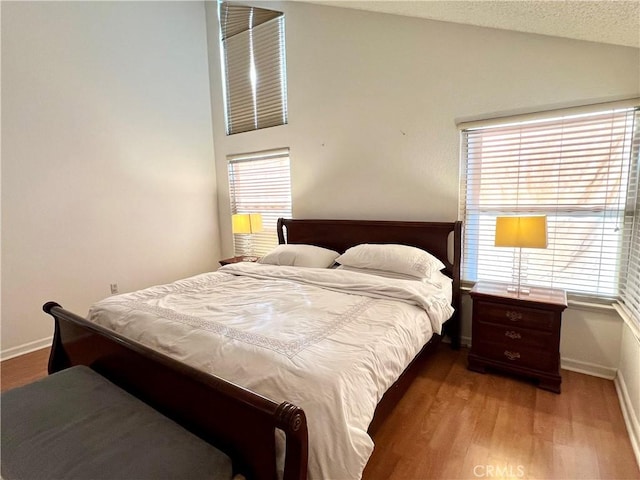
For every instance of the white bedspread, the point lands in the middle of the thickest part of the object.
(329, 341)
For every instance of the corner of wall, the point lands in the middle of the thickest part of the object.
(630, 417)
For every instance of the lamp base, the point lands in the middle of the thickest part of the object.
(518, 290)
(246, 248)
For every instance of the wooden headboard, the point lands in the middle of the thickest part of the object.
(441, 239)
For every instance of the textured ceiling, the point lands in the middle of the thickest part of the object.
(608, 21)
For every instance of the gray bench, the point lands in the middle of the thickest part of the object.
(75, 424)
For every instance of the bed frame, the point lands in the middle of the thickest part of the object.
(235, 420)
(441, 239)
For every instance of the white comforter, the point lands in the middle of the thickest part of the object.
(329, 341)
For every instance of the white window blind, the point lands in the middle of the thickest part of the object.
(260, 183)
(253, 67)
(630, 288)
(576, 170)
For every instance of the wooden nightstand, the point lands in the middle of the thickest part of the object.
(239, 259)
(517, 334)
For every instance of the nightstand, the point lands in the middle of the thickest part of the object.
(517, 333)
(241, 258)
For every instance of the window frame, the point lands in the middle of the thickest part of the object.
(254, 177)
(467, 193)
(253, 67)
(628, 305)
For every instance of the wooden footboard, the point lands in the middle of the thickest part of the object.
(237, 421)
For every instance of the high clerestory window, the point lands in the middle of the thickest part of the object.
(578, 169)
(252, 43)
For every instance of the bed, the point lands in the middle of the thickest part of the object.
(337, 343)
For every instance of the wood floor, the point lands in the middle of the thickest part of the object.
(456, 424)
(453, 423)
(24, 369)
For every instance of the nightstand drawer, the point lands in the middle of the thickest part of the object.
(517, 355)
(517, 316)
(514, 337)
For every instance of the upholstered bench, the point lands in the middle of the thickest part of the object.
(75, 424)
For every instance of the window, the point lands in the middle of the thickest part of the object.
(630, 288)
(577, 170)
(253, 67)
(260, 183)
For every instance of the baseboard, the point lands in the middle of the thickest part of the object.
(588, 368)
(630, 418)
(26, 348)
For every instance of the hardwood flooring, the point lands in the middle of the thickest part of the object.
(453, 423)
(24, 369)
(456, 424)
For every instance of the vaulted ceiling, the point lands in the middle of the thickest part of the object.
(608, 21)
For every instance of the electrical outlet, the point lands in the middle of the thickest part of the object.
(114, 288)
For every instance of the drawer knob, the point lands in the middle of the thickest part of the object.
(512, 334)
(511, 355)
(513, 316)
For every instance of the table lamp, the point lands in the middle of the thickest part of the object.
(247, 224)
(521, 232)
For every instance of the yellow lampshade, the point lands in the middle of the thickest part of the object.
(246, 223)
(523, 232)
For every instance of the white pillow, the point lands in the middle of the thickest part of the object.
(392, 258)
(379, 273)
(300, 255)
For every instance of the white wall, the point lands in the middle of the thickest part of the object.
(107, 155)
(590, 341)
(628, 384)
(373, 101)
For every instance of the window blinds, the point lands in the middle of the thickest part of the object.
(630, 288)
(253, 45)
(260, 183)
(574, 169)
